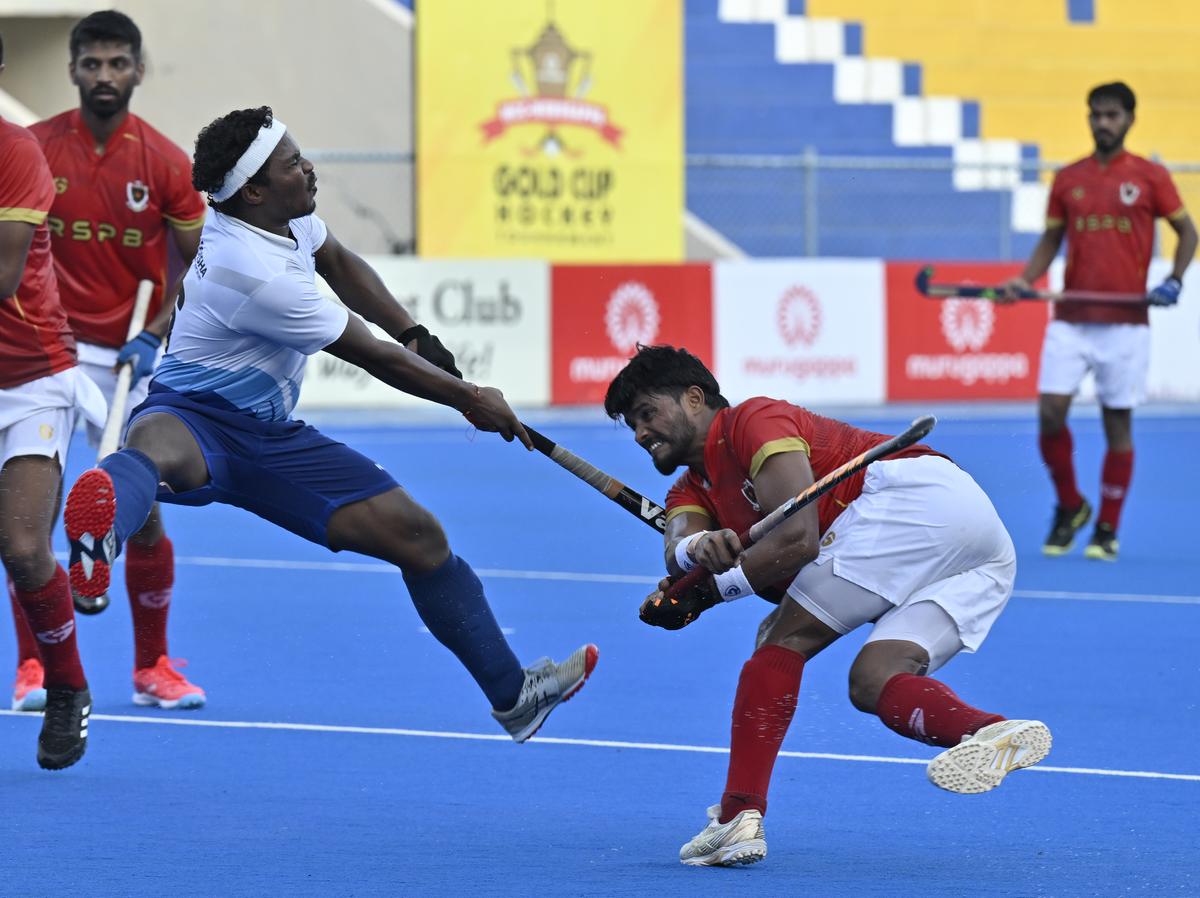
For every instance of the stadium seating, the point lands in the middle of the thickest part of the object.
(995, 80)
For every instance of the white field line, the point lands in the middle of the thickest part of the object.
(578, 743)
(379, 567)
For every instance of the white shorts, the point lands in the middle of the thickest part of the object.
(922, 531)
(97, 363)
(37, 418)
(1118, 355)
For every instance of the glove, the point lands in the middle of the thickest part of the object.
(676, 613)
(1166, 293)
(430, 348)
(141, 351)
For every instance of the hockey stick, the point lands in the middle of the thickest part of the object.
(926, 287)
(916, 431)
(116, 420)
(633, 502)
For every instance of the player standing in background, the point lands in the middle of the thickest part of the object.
(1105, 206)
(40, 389)
(217, 424)
(123, 191)
(912, 545)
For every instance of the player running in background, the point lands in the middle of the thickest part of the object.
(40, 389)
(912, 545)
(1105, 206)
(217, 424)
(123, 192)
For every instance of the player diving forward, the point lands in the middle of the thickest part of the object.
(912, 544)
(217, 425)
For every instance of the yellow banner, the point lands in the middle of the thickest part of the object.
(550, 129)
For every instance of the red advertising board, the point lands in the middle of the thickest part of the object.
(599, 313)
(960, 348)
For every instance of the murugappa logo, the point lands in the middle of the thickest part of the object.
(631, 316)
(798, 316)
(967, 323)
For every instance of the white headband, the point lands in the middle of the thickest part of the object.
(251, 161)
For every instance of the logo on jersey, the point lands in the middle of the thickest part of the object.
(46, 431)
(631, 316)
(1077, 193)
(60, 186)
(828, 540)
(137, 196)
(1129, 193)
(749, 495)
(798, 316)
(967, 323)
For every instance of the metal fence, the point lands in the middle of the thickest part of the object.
(803, 204)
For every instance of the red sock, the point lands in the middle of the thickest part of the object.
(762, 712)
(51, 616)
(27, 646)
(149, 575)
(924, 709)
(1058, 452)
(1115, 477)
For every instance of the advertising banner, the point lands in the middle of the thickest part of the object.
(550, 130)
(960, 349)
(493, 315)
(806, 330)
(601, 313)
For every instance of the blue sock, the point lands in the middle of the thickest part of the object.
(135, 484)
(452, 605)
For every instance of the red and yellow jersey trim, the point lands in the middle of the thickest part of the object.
(692, 509)
(774, 447)
(17, 213)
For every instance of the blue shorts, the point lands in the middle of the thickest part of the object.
(285, 472)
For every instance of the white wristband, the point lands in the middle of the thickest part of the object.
(682, 558)
(733, 584)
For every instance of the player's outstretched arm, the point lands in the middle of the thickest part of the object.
(484, 407)
(1039, 261)
(360, 288)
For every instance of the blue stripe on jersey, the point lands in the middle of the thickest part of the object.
(249, 390)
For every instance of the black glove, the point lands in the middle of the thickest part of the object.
(430, 348)
(676, 613)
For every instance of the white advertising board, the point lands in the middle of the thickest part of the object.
(493, 315)
(805, 330)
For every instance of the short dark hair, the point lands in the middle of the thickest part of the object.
(664, 370)
(221, 143)
(1115, 90)
(106, 25)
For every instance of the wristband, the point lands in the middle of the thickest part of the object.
(682, 558)
(733, 584)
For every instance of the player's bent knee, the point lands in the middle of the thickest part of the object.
(27, 559)
(877, 663)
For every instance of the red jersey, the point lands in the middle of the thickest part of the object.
(111, 216)
(1108, 212)
(35, 339)
(742, 438)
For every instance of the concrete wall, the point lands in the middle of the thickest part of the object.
(338, 73)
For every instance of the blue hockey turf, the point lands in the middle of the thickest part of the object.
(344, 752)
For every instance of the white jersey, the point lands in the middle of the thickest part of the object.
(251, 314)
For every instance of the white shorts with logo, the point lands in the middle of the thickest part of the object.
(37, 418)
(921, 532)
(97, 362)
(1118, 355)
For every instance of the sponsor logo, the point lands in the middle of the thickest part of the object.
(631, 316)
(967, 326)
(137, 196)
(46, 432)
(798, 316)
(650, 512)
(967, 323)
(59, 634)
(916, 723)
(828, 539)
(1077, 193)
(1129, 193)
(61, 185)
(798, 321)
